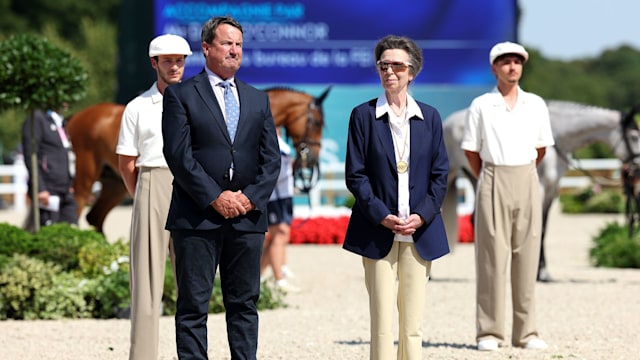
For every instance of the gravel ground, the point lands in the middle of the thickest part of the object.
(586, 313)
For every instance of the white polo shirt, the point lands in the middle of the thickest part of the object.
(284, 187)
(141, 129)
(504, 136)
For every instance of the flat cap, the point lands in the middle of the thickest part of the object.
(169, 45)
(507, 47)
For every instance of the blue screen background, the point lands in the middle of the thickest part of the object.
(310, 45)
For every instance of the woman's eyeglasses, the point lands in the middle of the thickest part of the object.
(396, 66)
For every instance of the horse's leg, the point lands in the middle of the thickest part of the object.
(543, 273)
(449, 211)
(112, 193)
(87, 173)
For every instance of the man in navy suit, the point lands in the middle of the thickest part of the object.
(222, 183)
(56, 168)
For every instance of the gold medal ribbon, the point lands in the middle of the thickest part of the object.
(402, 166)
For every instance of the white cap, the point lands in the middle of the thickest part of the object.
(169, 45)
(507, 48)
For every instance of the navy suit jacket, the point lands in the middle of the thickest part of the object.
(53, 157)
(372, 178)
(199, 153)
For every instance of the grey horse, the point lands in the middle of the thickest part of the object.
(574, 126)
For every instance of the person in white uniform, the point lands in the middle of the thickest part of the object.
(149, 181)
(279, 217)
(506, 135)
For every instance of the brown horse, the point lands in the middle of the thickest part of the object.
(94, 134)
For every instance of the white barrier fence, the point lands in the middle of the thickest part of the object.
(330, 187)
(17, 186)
(332, 183)
(613, 165)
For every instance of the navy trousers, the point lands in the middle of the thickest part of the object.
(237, 255)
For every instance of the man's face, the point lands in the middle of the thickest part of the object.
(170, 68)
(224, 54)
(508, 68)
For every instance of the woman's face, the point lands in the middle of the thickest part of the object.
(394, 70)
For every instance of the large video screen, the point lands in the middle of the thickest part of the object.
(331, 41)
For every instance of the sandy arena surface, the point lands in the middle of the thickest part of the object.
(586, 313)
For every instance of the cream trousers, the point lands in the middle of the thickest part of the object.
(398, 278)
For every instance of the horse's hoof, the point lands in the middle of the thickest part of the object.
(543, 276)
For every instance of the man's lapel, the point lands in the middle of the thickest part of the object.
(203, 88)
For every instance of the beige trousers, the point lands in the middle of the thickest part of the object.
(150, 244)
(508, 226)
(404, 265)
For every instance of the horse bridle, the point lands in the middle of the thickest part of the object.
(630, 173)
(626, 122)
(306, 170)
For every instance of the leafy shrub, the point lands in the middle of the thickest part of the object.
(21, 277)
(606, 202)
(108, 294)
(43, 285)
(14, 240)
(615, 248)
(64, 299)
(270, 298)
(30, 66)
(100, 257)
(65, 272)
(34, 289)
(61, 243)
(588, 201)
(170, 294)
(216, 304)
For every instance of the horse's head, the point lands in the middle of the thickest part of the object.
(630, 136)
(303, 118)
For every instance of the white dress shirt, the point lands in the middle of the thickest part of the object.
(401, 134)
(141, 129)
(504, 136)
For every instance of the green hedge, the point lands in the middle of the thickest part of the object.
(66, 272)
(589, 201)
(613, 247)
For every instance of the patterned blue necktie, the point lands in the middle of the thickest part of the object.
(232, 110)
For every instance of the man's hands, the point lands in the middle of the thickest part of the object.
(400, 226)
(43, 198)
(232, 204)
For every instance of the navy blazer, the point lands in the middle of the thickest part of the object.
(53, 158)
(199, 152)
(370, 172)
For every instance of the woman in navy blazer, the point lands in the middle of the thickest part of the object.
(396, 168)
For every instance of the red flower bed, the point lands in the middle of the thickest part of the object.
(319, 230)
(331, 230)
(465, 229)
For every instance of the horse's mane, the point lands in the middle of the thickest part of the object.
(285, 88)
(574, 106)
(68, 118)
